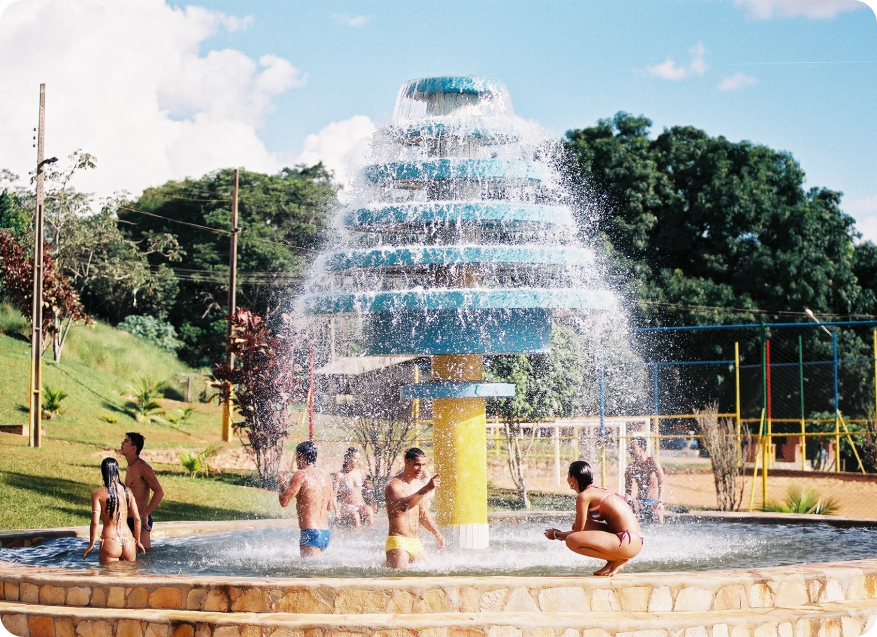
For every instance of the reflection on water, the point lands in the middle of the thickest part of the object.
(516, 549)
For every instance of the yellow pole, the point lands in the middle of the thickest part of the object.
(755, 456)
(737, 381)
(768, 460)
(850, 438)
(837, 441)
(460, 448)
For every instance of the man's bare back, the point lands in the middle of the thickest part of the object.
(144, 485)
(312, 489)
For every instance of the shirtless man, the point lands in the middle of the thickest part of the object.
(407, 496)
(350, 487)
(140, 478)
(312, 489)
(646, 473)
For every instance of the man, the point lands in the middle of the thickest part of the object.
(312, 489)
(646, 473)
(349, 486)
(407, 496)
(140, 478)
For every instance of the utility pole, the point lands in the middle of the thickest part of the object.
(36, 372)
(232, 297)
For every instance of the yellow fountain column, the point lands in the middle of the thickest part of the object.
(460, 447)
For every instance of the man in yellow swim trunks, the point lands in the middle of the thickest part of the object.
(407, 496)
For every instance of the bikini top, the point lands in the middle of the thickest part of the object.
(594, 511)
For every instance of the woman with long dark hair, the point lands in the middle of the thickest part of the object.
(605, 526)
(112, 504)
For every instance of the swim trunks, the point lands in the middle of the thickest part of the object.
(650, 502)
(316, 538)
(410, 545)
(143, 527)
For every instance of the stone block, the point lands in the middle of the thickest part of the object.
(169, 597)
(831, 592)
(652, 632)
(16, 624)
(505, 631)
(116, 597)
(520, 601)
(216, 601)
(99, 598)
(634, 599)
(696, 631)
(493, 601)
(39, 626)
(183, 630)
(720, 630)
(300, 601)
(851, 626)
(30, 593)
(661, 600)
(862, 587)
(806, 628)
(791, 593)
(138, 598)
(564, 599)
(604, 600)
(85, 628)
(541, 631)
(692, 598)
(64, 627)
(740, 630)
(830, 627)
(731, 597)
(470, 599)
(433, 600)
(434, 632)
(52, 595)
(10, 592)
(572, 632)
(129, 628)
(154, 629)
(760, 595)
(402, 603)
(202, 630)
(253, 631)
(392, 633)
(594, 632)
(280, 632)
(226, 631)
(767, 629)
(785, 630)
(356, 601)
(455, 631)
(78, 595)
(195, 599)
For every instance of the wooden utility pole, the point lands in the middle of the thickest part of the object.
(36, 371)
(232, 297)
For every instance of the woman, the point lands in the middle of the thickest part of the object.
(112, 504)
(605, 526)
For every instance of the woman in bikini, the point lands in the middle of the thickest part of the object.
(605, 525)
(112, 504)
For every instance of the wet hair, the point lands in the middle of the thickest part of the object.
(581, 471)
(351, 451)
(307, 450)
(640, 442)
(109, 470)
(413, 453)
(136, 439)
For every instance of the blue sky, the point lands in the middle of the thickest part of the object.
(160, 91)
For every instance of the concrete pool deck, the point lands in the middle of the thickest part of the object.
(816, 600)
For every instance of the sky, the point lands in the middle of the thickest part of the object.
(159, 91)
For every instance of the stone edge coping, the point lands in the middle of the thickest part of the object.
(861, 610)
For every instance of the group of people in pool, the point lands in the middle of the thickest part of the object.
(606, 524)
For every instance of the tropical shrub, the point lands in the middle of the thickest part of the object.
(153, 330)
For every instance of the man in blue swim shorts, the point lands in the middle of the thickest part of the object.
(645, 472)
(312, 489)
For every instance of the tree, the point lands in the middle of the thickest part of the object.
(61, 305)
(283, 219)
(262, 385)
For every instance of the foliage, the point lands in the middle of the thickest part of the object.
(12, 321)
(145, 406)
(13, 217)
(180, 416)
(152, 329)
(61, 305)
(195, 462)
(720, 441)
(52, 401)
(261, 385)
(282, 217)
(803, 500)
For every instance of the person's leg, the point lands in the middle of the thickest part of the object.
(397, 558)
(605, 546)
(368, 518)
(659, 512)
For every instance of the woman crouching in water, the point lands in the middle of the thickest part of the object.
(113, 504)
(605, 525)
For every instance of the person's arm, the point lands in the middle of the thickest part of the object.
(628, 481)
(291, 490)
(659, 475)
(429, 524)
(95, 520)
(151, 481)
(408, 502)
(582, 502)
(133, 512)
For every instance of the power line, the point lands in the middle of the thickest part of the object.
(224, 233)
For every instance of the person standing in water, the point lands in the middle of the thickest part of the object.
(605, 526)
(312, 489)
(111, 504)
(407, 497)
(358, 505)
(140, 478)
(646, 473)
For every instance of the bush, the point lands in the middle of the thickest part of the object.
(804, 500)
(153, 330)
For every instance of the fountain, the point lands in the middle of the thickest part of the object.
(460, 251)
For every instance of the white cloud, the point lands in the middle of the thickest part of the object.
(669, 70)
(341, 146)
(128, 82)
(351, 20)
(737, 81)
(815, 9)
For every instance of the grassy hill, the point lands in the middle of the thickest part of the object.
(50, 486)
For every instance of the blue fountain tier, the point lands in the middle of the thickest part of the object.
(487, 131)
(449, 95)
(447, 169)
(458, 321)
(453, 255)
(493, 213)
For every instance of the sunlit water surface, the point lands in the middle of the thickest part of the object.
(516, 549)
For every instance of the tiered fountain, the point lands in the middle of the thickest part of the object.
(459, 250)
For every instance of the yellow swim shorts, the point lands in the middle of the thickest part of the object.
(410, 545)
